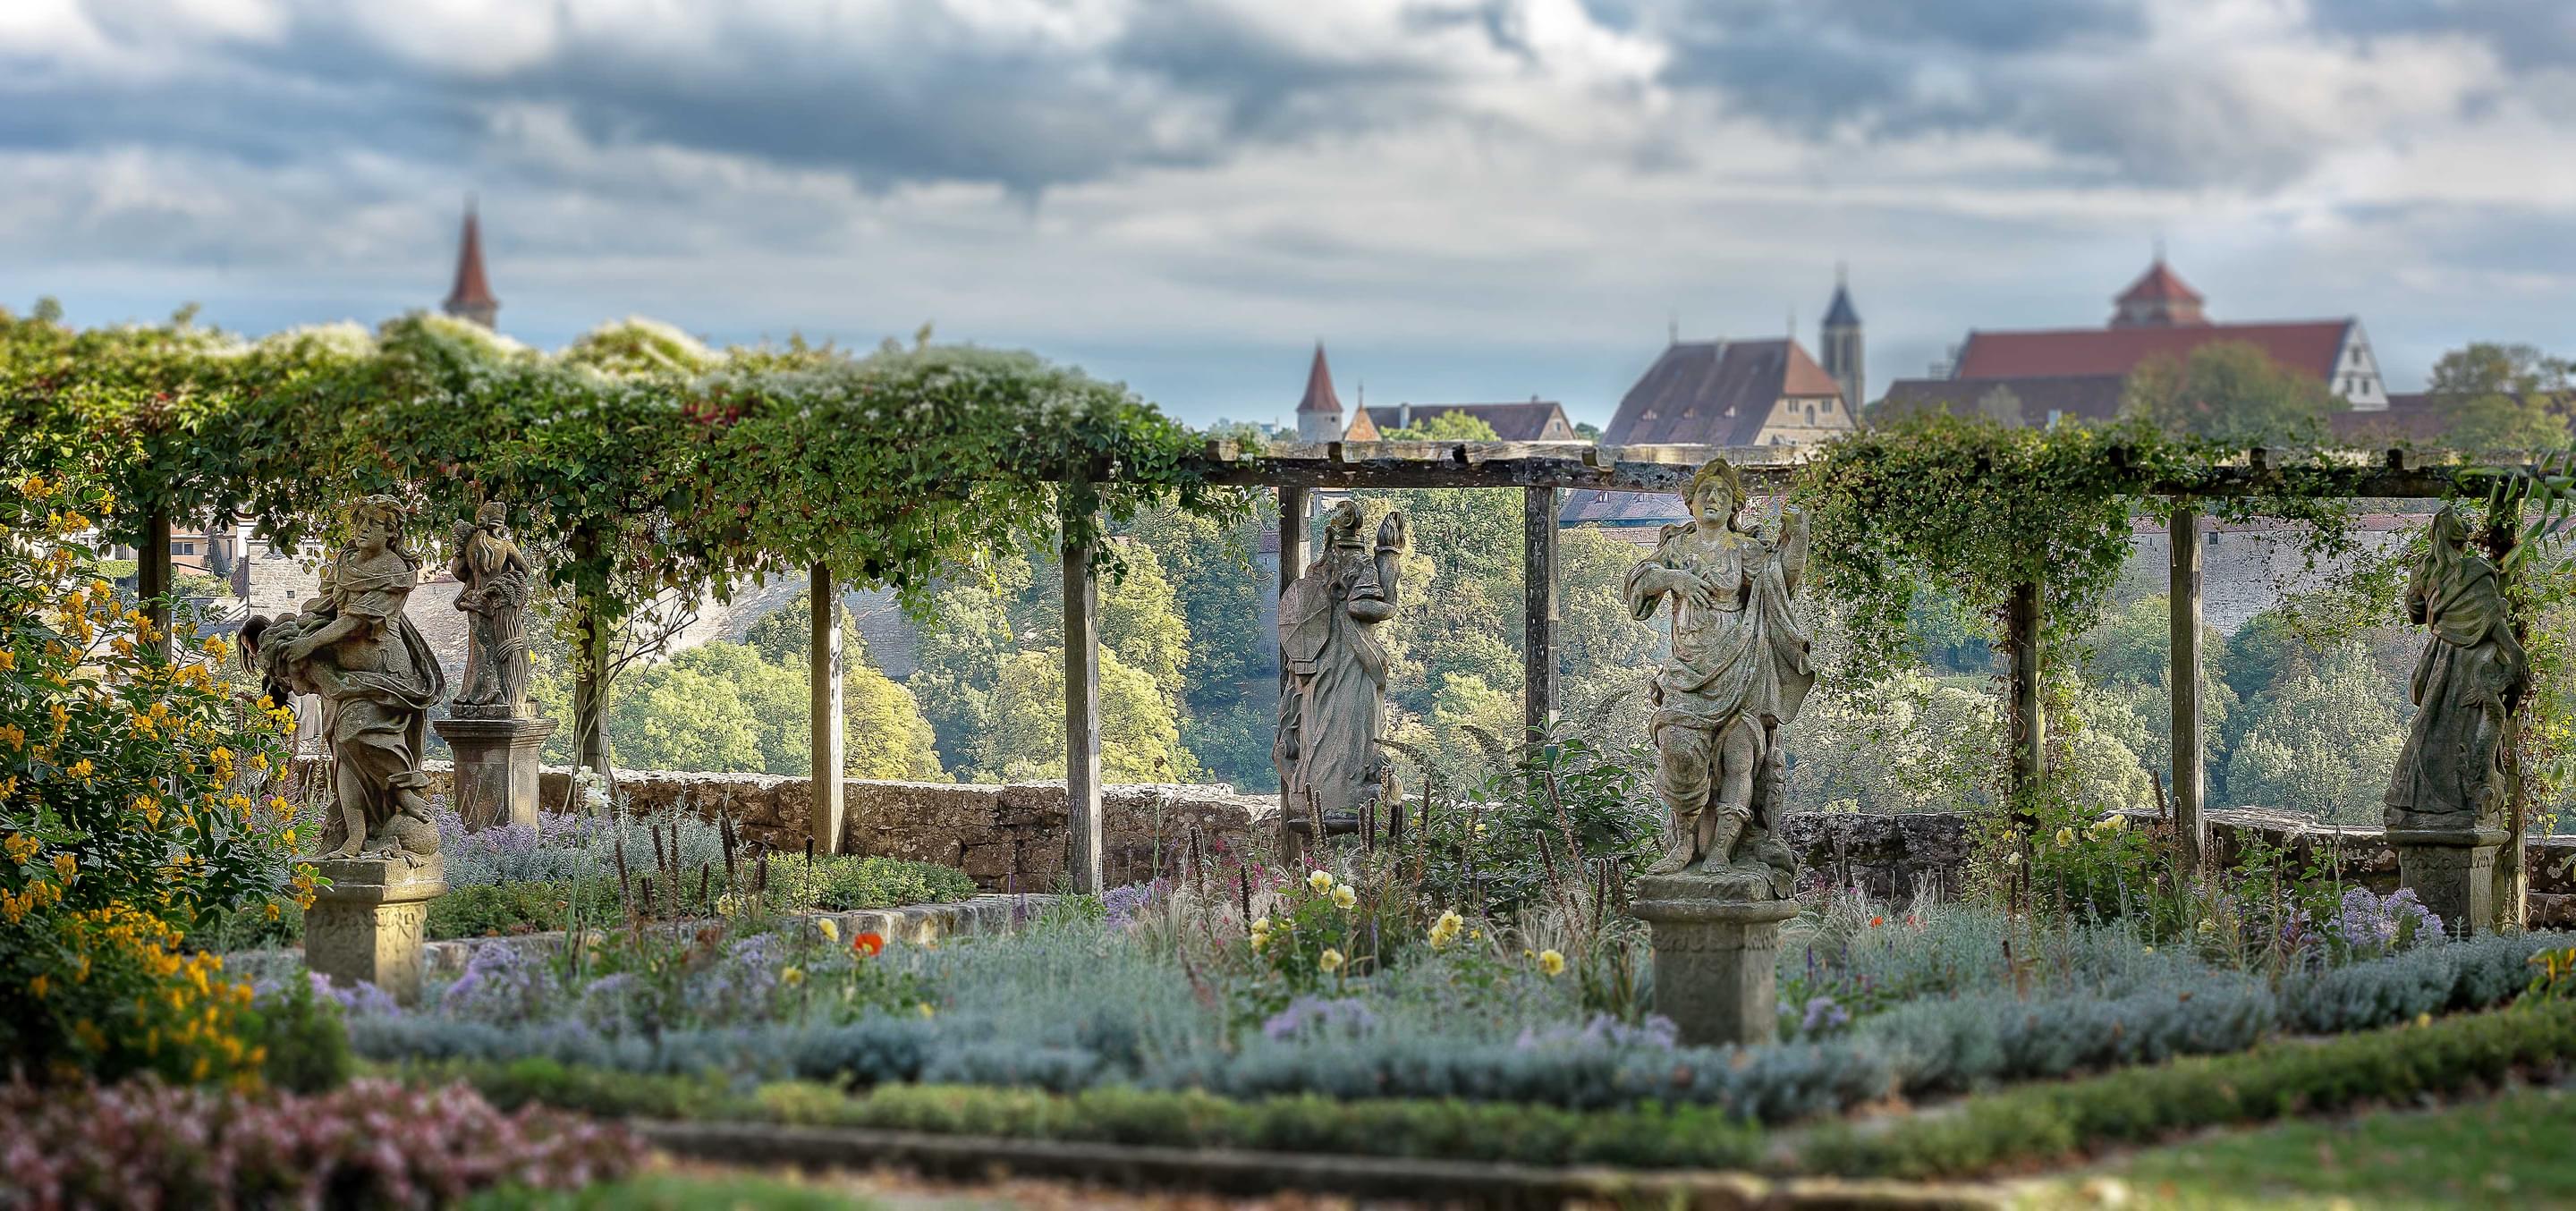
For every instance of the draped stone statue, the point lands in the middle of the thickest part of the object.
(1332, 701)
(2451, 773)
(377, 679)
(494, 580)
(2445, 806)
(1738, 672)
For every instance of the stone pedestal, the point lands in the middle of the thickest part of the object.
(369, 924)
(496, 766)
(1716, 958)
(2452, 871)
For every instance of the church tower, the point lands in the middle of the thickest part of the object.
(2158, 299)
(1840, 343)
(1319, 415)
(471, 299)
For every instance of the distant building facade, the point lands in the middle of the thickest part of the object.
(1538, 420)
(1319, 411)
(2043, 377)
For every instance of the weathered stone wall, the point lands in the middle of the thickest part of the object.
(1891, 856)
(1006, 837)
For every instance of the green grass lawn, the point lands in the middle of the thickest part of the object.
(2509, 1151)
(665, 1191)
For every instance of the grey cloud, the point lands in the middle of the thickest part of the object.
(2524, 34)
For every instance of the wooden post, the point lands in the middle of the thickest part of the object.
(1082, 704)
(2512, 862)
(823, 674)
(2029, 727)
(1293, 503)
(1538, 598)
(589, 668)
(2182, 677)
(152, 571)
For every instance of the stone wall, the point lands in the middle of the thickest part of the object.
(1891, 856)
(1006, 837)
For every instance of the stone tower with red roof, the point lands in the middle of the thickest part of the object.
(471, 298)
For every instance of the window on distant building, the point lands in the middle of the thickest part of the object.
(2055, 415)
(183, 548)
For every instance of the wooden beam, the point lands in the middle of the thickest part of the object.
(2029, 724)
(2182, 677)
(1538, 598)
(1082, 713)
(1293, 503)
(1767, 470)
(823, 677)
(152, 574)
(589, 669)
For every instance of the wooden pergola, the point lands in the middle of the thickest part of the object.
(1542, 472)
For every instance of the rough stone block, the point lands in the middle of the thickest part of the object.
(1716, 960)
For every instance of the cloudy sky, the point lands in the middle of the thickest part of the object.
(1465, 199)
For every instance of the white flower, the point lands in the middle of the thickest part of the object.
(1321, 880)
(1345, 899)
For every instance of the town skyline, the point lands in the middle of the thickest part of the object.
(1462, 201)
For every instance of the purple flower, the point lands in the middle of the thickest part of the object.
(359, 999)
(1603, 1030)
(502, 983)
(1123, 903)
(1823, 1014)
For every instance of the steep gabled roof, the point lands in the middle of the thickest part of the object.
(2085, 397)
(2310, 346)
(1716, 393)
(1840, 313)
(1319, 387)
(1526, 421)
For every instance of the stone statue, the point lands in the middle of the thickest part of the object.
(1738, 671)
(496, 581)
(2451, 774)
(377, 679)
(1332, 701)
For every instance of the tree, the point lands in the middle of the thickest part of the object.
(1228, 697)
(885, 735)
(2321, 742)
(785, 635)
(717, 708)
(2231, 392)
(1141, 621)
(1461, 604)
(1906, 744)
(2501, 397)
(1139, 742)
(1604, 653)
(968, 635)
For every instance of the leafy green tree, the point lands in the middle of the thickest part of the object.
(967, 635)
(1141, 620)
(1139, 741)
(2232, 392)
(717, 708)
(2502, 397)
(1443, 427)
(1908, 743)
(1220, 591)
(785, 635)
(885, 735)
(1604, 653)
(2320, 742)
(1461, 605)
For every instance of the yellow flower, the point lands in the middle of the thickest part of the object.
(925, 1009)
(1551, 963)
(36, 488)
(1330, 961)
(20, 848)
(8, 660)
(830, 929)
(287, 837)
(1445, 931)
(66, 866)
(40, 986)
(1259, 940)
(1321, 880)
(2066, 836)
(82, 770)
(1345, 899)
(792, 976)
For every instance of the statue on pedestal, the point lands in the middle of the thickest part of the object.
(1332, 701)
(2446, 799)
(1738, 671)
(495, 582)
(377, 678)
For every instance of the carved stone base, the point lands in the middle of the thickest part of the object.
(369, 924)
(496, 767)
(2453, 872)
(1716, 958)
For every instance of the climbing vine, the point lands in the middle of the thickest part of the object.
(1978, 508)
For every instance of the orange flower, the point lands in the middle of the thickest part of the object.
(867, 945)
(1875, 922)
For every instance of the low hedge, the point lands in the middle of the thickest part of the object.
(2022, 1126)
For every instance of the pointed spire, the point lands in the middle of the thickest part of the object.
(471, 298)
(1839, 313)
(1319, 414)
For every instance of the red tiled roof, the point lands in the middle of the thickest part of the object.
(2310, 346)
(2085, 397)
(1319, 387)
(1715, 393)
(1526, 421)
(2159, 285)
(2417, 418)
(472, 289)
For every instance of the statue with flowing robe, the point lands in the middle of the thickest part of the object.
(1332, 700)
(2471, 677)
(378, 679)
(494, 582)
(1737, 673)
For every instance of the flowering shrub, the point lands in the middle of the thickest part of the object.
(370, 1143)
(129, 812)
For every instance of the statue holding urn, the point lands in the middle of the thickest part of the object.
(490, 726)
